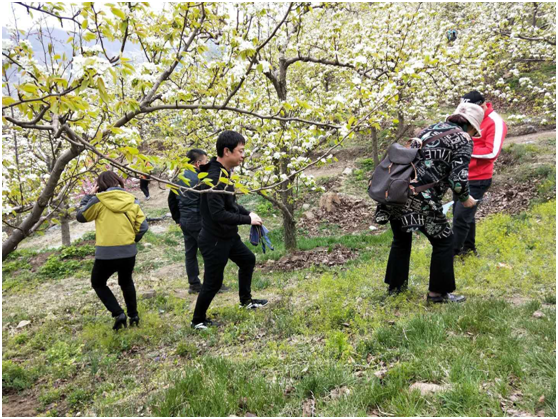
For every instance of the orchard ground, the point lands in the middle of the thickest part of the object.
(330, 343)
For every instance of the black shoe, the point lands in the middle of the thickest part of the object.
(464, 253)
(254, 304)
(194, 288)
(446, 298)
(134, 320)
(398, 290)
(120, 322)
(224, 288)
(204, 325)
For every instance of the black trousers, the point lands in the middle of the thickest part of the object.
(442, 278)
(216, 253)
(144, 186)
(102, 271)
(191, 234)
(464, 218)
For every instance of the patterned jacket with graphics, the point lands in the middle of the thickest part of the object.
(445, 161)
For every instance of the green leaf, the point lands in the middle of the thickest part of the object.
(102, 90)
(84, 24)
(118, 13)
(7, 100)
(202, 175)
(184, 179)
(28, 87)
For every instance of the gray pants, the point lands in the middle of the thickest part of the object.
(191, 233)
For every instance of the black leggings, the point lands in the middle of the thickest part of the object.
(102, 271)
(144, 186)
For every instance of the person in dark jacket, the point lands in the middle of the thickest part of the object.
(185, 211)
(219, 240)
(445, 163)
(119, 225)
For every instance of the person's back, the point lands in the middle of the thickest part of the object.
(487, 148)
(184, 207)
(188, 202)
(119, 224)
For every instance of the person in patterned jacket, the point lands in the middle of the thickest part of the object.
(444, 162)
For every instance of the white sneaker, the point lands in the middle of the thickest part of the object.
(253, 304)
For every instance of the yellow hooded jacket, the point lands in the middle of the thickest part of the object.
(119, 222)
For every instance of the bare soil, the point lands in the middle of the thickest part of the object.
(350, 215)
(327, 257)
(19, 405)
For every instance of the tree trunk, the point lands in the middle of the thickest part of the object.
(65, 228)
(34, 217)
(289, 223)
(289, 227)
(375, 147)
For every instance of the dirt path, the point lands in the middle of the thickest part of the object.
(537, 136)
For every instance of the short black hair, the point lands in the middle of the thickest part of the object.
(475, 97)
(195, 154)
(229, 139)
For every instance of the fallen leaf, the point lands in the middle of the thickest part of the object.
(336, 393)
(308, 408)
(428, 388)
(538, 314)
(23, 323)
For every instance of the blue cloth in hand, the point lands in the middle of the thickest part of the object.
(259, 234)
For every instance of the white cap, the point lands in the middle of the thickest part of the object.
(472, 113)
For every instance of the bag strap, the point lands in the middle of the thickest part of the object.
(422, 188)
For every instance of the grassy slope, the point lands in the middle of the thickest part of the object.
(329, 341)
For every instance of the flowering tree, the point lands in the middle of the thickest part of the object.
(294, 78)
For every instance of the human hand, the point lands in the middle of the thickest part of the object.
(94, 190)
(255, 219)
(470, 202)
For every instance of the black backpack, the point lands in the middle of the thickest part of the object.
(392, 181)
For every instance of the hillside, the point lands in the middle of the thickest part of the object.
(331, 343)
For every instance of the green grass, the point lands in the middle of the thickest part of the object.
(330, 338)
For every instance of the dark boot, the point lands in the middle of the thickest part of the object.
(120, 322)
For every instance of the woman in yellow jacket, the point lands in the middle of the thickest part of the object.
(119, 225)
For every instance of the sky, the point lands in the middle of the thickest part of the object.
(14, 13)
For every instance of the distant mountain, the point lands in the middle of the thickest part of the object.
(61, 46)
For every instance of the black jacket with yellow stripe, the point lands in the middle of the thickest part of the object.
(119, 222)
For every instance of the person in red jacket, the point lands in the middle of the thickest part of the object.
(485, 151)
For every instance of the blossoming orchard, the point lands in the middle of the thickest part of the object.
(86, 85)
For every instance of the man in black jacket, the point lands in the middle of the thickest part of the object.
(219, 240)
(185, 211)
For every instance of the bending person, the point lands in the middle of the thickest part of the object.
(486, 149)
(119, 225)
(444, 162)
